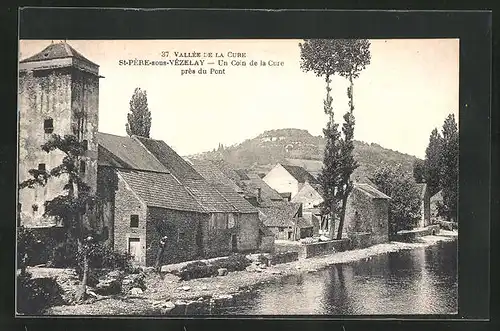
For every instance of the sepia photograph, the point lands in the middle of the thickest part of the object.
(238, 177)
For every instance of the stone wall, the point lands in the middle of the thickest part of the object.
(360, 240)
(411, 235)
(127, 203)
(183, 230)
(54, 94)
(364, 214)
(248, 232)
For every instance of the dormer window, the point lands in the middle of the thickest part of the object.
(48, 125)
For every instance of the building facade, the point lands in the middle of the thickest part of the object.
(58, 94)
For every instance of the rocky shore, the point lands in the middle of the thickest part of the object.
(167, 294)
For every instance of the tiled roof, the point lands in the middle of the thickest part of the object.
(280, 215)
(314, 167)
(242, 173)
(160, 190)
(172, 161)
(126, 152)
(370, 191)
(209, 197)
(212, 173)
(240, 203)
(267, 193)
(58, 50)
(299, 173)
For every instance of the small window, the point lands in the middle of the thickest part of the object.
(48, 125)
(35, 207)
(134, 221)
(180, 236)
(41, 167)
(82, 167)
(85, 145)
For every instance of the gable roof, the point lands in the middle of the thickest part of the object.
(160, 190)
(240, 203)
(314, 167)
(212, 173)
(280, 215)
(267, 192)
(299, 173)
(307, 193)
(371, 191)
(58, 50)
(172, 161)
(209, 197)
(126, 152)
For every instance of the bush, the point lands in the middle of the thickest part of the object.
(101, 256)
(64, 255)
(197, 269)
(35, 295)
(236, 262)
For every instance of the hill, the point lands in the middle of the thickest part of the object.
(299, 147)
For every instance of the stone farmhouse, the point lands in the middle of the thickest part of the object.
(145, 190)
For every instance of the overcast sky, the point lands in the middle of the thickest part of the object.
(408, 89)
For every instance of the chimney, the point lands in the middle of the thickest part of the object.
(259, 196)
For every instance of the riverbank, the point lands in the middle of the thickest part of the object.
(167, 294)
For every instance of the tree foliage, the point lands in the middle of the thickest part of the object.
(419, 170)
(76, 199)
(432, 163)
(449, 168)
(404, 206)
(139, 116)
(441, 166)
(347, 58)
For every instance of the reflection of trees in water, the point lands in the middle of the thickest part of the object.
(337, 294)
(442, 258)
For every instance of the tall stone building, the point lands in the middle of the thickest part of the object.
(58, 94)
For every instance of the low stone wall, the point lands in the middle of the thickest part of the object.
(284, 257)
(412, 235)
(360, 240)
(324, 247)
(267, 245)
(450, 226)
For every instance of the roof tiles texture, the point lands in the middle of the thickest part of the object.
(58, 50)
(160, 190)
(300, 174)
(371, 191)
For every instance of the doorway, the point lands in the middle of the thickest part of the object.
(134, 249)
(234, 243)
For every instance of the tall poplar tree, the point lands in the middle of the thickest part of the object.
(432, 163)
(139, 116)
(347, 58)
(449, 168)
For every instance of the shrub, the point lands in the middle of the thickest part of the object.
(236, 262)
(197, 269)
(35, 295)
(64, 255)
(101, 256)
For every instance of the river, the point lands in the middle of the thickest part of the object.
(410, 282)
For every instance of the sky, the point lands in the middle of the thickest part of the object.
(408, 89)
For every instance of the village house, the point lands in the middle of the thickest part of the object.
(288, 179)
(367, 211)
(145, 190)
(286, 221)
(425, 206)
(211, 220)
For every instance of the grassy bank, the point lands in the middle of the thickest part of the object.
(166, 292)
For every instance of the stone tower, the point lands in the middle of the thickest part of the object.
(58, 94)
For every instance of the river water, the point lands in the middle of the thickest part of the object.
(410, 282)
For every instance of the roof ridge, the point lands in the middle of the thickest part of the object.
(149, 152)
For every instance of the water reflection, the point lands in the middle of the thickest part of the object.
(419, 281)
